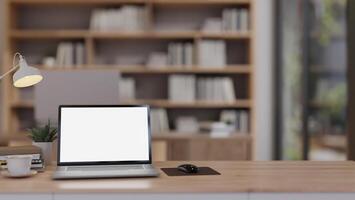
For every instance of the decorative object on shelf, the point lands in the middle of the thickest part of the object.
(26, 75)
(43, 138)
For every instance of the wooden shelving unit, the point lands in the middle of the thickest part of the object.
(21, 33)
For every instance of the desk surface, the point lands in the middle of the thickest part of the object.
(247, 176)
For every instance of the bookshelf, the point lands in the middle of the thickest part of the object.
(164, 23)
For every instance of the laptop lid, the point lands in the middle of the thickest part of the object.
(103, 135)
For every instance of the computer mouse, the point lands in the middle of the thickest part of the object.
(188, 168)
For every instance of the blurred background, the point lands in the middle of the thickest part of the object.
(227, 79)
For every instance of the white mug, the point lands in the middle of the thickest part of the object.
(19, 165)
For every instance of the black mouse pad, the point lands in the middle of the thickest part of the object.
(201, 171)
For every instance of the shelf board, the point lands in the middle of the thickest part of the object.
(165, 104)
(75, 2)
(103, 2)
(240, 69)
(82, 34)
(196, 104)
(48, 34)
(199, 136)
(163, 2)
(230, 69)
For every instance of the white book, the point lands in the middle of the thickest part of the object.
(126, 88)
(209, 89)
(170, 54)
(58, 58)
(228, 90)
(223, 53)
(79, 54)
(212, 25)
(244, 20)
(179, 54)
(234, 19)
(171, 87)
(157, 60)
(224, 19)
(188, 54)
(93, 19)
(34, 156)
(244, 122)
(69, 55)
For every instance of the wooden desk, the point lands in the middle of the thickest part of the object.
(239, 181)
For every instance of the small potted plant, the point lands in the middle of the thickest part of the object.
(43, 138)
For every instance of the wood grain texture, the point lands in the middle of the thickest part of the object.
(247, 176)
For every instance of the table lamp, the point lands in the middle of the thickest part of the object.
(26, 75)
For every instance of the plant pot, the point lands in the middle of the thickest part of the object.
(46, 148)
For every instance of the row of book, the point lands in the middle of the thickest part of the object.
(182, 88)
(180, 54)
(126, 89)
(231, 121)
(159, 121)
(185, 88)
(233, 19)
(70, 54)
(219, 89)
(125, 18)
(212, 53)
(37, 161)
(238, 119)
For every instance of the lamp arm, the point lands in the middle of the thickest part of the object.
(11, 70)
(15, 66)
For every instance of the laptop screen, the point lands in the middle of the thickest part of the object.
(103, 134)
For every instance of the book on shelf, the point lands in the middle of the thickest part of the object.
(219, 89)
(157, 60)
(36, 164)
(180, 54)
(182, 88)
(35, 152)
(125, 18)
(159, 121)
(212, 53)
(235, 19)
(126, 89)
(70, 54)
(187, 124)
(212, 25)
(239, 119)
(20, 150)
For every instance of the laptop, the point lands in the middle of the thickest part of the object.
(104, 141)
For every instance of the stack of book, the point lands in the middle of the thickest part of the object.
(219, 89)
(212, 25)
(187, 124)
(180, 54)
(35, 152)
(126, 89)
(234, 19)
(70, 54)
(212, 53)
(238, 119)
(157, 60)
(182, 88)
(126, 18)
(159, 121)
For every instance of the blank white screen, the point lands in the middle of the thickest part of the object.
(95, 134)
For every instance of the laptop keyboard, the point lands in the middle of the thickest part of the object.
(105, 168)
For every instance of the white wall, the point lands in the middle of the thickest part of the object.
(263, 78)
